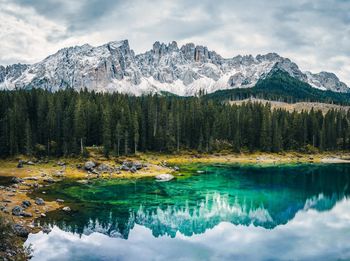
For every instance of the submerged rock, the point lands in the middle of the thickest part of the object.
(46, 229)
(66, 209)
(164, 177)
(83, 181)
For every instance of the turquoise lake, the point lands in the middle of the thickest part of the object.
(228, 212)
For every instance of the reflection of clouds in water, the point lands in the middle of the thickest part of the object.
(311, 235)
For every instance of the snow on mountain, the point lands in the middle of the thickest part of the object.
(184, 71)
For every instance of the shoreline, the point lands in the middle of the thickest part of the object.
(32, 176)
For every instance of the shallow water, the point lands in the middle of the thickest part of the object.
(229, 212)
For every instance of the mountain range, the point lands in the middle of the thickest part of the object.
(166, 68)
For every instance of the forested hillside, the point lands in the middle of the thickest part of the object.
(41, 123)
(280, 86)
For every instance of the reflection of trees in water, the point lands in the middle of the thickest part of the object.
(315, 188)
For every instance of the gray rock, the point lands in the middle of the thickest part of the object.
(20, 164)
(17, 211)
(89, 165)
(138, 165)
(59, 200)
(125, 167)
(20, 230)
(133, 169)
(103, 168)
(27, 214)
(46, 230)
(66, 209)
(26, 204)
(16, 180)
(60, 163)
(59, 174)
(164, 177)
(39, 201)
(95, 172)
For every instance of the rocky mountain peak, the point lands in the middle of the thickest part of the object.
(166, 67)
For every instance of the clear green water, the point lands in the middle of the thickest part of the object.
(266, 211)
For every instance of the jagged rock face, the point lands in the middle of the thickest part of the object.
(185, 71)
(326, 81)
(11, 73)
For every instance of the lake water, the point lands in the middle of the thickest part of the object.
(229, 212)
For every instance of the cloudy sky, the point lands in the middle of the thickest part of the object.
(314, 34)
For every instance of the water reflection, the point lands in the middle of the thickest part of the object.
(265, 197)
(218, 215)
(311, 235)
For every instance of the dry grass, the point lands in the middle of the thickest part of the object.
(298, 107)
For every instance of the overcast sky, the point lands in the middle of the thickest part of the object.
(314, 34)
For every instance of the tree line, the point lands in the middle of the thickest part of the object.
(41, 123)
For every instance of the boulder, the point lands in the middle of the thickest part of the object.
(124, 167)
(59, 174)
(20, 230)
(133, 169)
(46, 229)
(103, 168)
(95, 172)
(27, 214)
(89, 165)
(164, 177)
(138, 165)
(20, 164)
(26, 204)
(17, 211)
(59, 200)
(31, 163)
(60, 163)
(16, 180)
(39, 201)
(176, 168)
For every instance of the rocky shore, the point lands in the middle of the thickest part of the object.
(26, 176)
